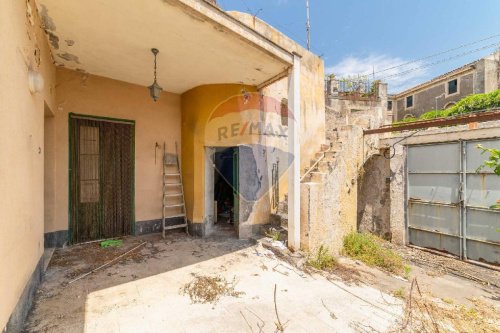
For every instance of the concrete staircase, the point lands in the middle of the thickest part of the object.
(328, 191)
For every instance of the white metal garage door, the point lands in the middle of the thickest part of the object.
(448, 206)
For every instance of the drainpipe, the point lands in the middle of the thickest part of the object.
(294, 150)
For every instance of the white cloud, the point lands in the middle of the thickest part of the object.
(354, 66)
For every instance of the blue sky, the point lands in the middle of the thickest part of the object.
(355, 36)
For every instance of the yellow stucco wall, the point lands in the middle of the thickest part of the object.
(154, 122)
(23, 46)
(197, 106)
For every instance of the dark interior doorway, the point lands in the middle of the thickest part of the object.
(226, 190)
(101, 165)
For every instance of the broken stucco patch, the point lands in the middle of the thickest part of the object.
(53, 39)
(68, 57)
(69, 42)
(47, 22)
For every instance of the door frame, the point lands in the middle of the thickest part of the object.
(208, 190)
(72, 115)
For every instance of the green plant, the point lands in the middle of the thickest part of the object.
(406, 271)
(399, 293)
(368, 249)
(111, 243)
(471, 103)
(447, 300)
(493, 161)
(323, 260)
(274, 234)
(433, 114)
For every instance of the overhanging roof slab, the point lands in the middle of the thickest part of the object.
(199, 43)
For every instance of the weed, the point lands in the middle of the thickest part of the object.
(399, 293)
(323, 260)
(447, 300)
(368, 249)
(274, 234)
(406, 271)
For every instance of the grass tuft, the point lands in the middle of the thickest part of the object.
(274, 234)
(368, 249)
(399, 293)
(323, 260)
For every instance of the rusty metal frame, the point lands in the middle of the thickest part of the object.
(438, 122)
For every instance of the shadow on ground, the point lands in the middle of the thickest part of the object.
(60, 302)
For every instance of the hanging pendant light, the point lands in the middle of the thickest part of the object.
(155, 89)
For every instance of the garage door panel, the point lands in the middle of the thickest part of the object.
(483, 190)
(435, 241)
(449, 205)
(434, 187)
(483, 225)
(432, 217)
(474, 156)
(483, 252)
(440, 158)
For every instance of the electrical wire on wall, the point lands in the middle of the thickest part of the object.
(387, 153)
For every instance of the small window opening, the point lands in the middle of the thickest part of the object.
(452, 86)
(409, 101)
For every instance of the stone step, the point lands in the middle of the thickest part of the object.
(337, 146)
(317, 156)
(307, 179)
(318, 177)
(331, 154)
(324, 166)
(325, 146)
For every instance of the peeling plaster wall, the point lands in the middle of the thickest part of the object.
(397, 195)
(374, 205)
(21, 154)
(155, 122)
(329, 201)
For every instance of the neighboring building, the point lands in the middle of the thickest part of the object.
(480, 76)
(81, 140)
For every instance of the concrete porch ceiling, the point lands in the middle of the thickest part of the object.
(199, 43)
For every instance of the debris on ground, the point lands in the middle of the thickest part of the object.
(439, 265)
(111, 243)
(424, 313)
(107, 263)
(210, 289)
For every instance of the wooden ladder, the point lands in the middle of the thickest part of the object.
(174, 204)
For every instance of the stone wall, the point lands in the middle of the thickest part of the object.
(374, 204)
(435, 96)
(482, 76)
(329, 199)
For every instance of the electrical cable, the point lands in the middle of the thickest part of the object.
(439, 61)
(387, 153)
(434, 55)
